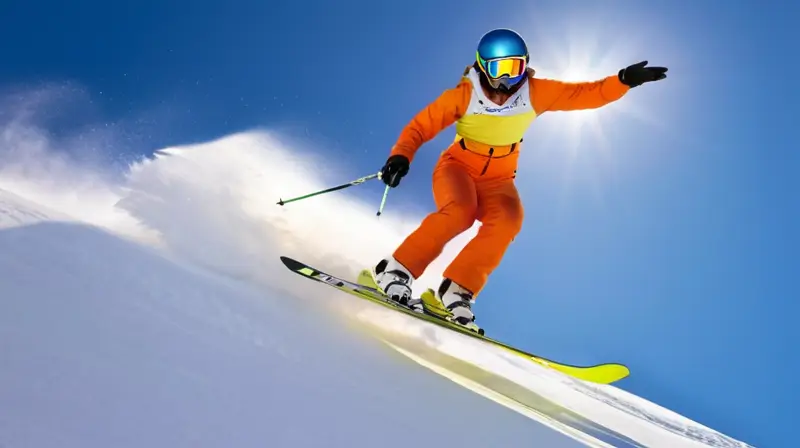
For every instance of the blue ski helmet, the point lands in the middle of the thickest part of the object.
(503, 57)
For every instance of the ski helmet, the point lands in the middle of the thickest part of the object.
(502, 57)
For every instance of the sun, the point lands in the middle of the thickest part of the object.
(577, 46)
(576, 58)
(581, 149)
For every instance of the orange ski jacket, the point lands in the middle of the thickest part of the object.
(493, 130)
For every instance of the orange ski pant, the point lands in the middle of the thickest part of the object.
(465, 191)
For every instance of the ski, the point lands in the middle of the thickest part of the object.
(605, 373)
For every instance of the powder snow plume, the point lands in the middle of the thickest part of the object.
(211, 203)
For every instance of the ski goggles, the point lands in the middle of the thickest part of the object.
(497, 68)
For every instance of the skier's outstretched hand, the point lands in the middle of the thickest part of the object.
(637, 74)
(395, 168)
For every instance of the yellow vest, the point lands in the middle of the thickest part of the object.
(491, 124)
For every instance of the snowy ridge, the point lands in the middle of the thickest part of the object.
(657, 415)
(16, 211)
(180, 258)
(104, 342)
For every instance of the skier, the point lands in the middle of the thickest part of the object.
(493, 106)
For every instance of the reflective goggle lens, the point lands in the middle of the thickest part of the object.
(511, 67)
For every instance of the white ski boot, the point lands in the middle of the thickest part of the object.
(458, 300)
(394, 280)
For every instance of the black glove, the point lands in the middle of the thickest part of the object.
(395, 168)
(637, 74)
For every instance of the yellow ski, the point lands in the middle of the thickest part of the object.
(605, 373)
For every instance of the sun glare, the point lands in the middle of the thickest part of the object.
(582, 145)
(583, 46)
(576, 57)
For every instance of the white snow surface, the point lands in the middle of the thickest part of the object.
(153, 310)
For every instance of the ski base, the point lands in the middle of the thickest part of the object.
(605, 373)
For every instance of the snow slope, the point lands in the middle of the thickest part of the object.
(153, 311)
(106, 343)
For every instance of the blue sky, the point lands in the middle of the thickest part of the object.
(659, 231)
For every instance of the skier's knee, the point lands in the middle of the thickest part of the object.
(515, 221)
(462, 216)
(508, 219)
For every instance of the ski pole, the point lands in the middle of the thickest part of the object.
(392, 180)
(328, 190)
(383, 200)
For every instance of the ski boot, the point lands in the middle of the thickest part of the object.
(394, 280)
(457, 302)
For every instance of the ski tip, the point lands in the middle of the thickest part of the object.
(602, 373)
(291, 263)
